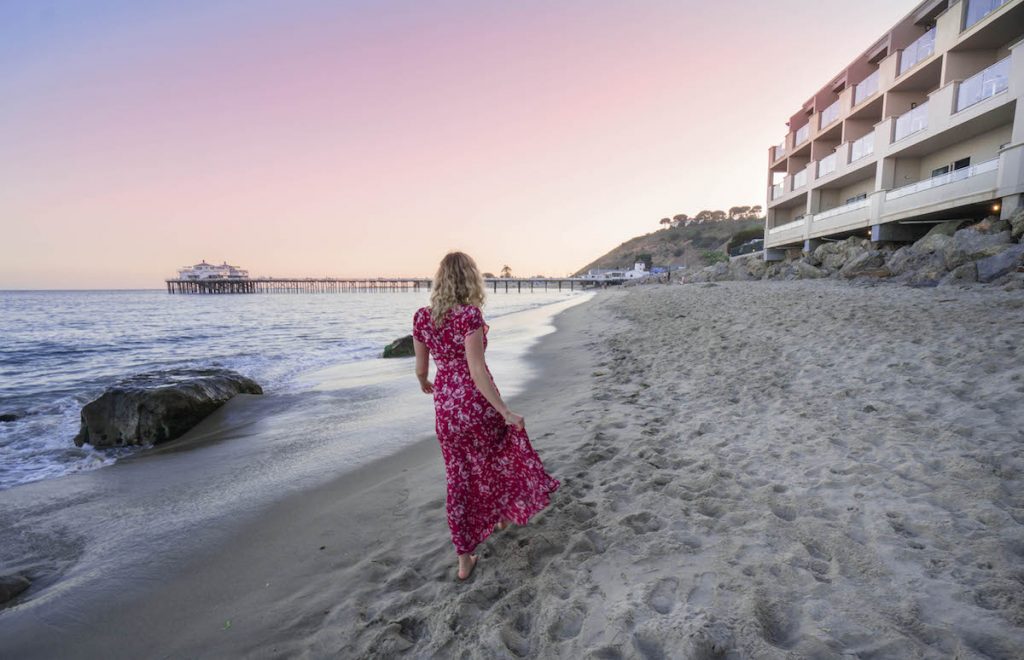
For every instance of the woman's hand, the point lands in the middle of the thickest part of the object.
(426, 386)
(515, 419)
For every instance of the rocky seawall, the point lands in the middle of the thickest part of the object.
(952, 253)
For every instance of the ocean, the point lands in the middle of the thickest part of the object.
(61, 349)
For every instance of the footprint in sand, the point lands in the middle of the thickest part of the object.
(642, 523)
(702, 594)
(663, 596)
(568, 623)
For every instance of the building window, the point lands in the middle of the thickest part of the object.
(962, 163)
(856, 198)
(940, 171)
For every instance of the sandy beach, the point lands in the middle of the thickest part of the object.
(768, 470)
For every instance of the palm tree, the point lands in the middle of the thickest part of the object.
(506, 271)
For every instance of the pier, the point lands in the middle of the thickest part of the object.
(356, 285)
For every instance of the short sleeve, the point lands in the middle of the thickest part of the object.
(471, 321)
(418, 319)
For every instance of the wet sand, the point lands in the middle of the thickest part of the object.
(769, 470)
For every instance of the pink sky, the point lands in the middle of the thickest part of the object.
(368, 138)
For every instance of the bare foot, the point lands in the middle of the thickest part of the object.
(502, 525)
(466, 565)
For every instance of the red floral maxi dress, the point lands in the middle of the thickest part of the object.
(492, 470)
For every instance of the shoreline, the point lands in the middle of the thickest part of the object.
(244, 418)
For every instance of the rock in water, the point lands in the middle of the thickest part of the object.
(11, 586)
(401, 347)
(8, 417)
(155, 408)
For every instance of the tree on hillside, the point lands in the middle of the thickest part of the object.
(718, 216)
(738, 212)
(703, 216)
(506, 271)
(681, 219)
(756, 211)
(665, 221)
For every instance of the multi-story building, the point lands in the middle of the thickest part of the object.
(926, 125)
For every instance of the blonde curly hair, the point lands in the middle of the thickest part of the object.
(457, 282)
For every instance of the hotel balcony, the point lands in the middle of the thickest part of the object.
(846, 217)
(983, 85)
(801, 135)
(828, 115)
(979, 9)
(866, 88)
(961, 187)
(787, 233)
(910, 122)
(862, 147)
(827, 165)
(917, 52)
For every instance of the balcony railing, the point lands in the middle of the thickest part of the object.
(943, 179)
(863, 90)
(827, 165)
(777, 191)
(780, 150)
(800, 179)
(911, 122)
(802, 134)
(917, 51)
(979, 9)
(839, 210)
(984, 84)
(862, 147)
(829, 115)
(793, 224)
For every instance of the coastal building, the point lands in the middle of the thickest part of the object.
(926, 125)
(638, 271)
(205, 271)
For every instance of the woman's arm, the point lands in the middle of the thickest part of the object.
(423, 366)
(482, 380)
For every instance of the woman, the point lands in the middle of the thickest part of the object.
(494, 476)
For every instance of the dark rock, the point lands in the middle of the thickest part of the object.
(1017, 224)
(1007, 261)
(963, 274)
(806, 271)
(11, 586)
(158, 407)
(8, 417)
(401, 347)
(946, 228)
(971, 245)
(871, 260)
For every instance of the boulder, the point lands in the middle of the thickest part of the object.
(970, 245)
(1017, 224)
(11, 586)
(158, 407)
(1007, 261)
(401, 347)
(805, 271)
(928, 253)
(947, 228)
(962, 274)
(868, 261)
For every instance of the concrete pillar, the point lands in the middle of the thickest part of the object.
(1008, 205)
(885, 175)
(811, 244)
(774, 254)
(895, 232)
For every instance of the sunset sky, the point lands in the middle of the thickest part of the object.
(323, 137)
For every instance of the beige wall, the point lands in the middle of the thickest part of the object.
(980, 148)
(833, 197)
(907, 170)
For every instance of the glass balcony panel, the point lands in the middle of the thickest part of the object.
(802, 134)
(839, 210)
(793, 224)
(862, 147)
(800, 179)
(827, 165)
(979, 9)
(943, 179)
(917, 51)
(865, 88)
(780, 150)
(911, 122)
(984, 84)
(829, 115)
(777, 191)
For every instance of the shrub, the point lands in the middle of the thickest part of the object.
(710, 257)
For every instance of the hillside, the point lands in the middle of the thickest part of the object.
(676, 246)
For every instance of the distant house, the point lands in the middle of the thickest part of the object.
(205, 271)
(638, 271)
